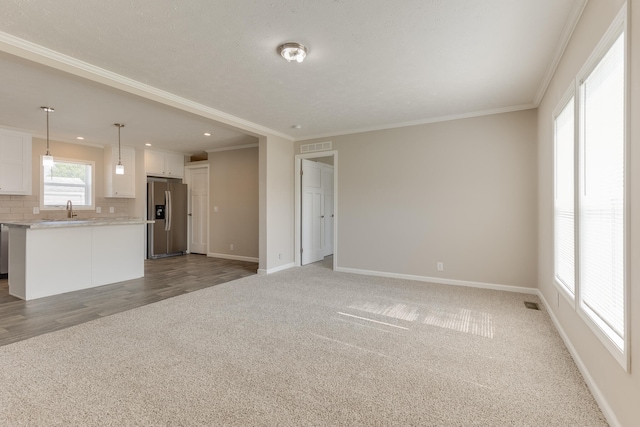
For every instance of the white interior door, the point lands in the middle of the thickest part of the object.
(198, 202)
(312, 206)
(328, 211)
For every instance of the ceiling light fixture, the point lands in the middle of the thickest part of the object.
(293, 51)
(47, 159)
(80, 137)
(119, 166)
(296, 127)
(207, 134)
(148, 144)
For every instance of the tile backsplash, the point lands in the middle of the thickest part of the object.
(16, 208)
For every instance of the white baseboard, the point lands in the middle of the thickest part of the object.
(233, 257)
(440, 280)
(595, 390)
(276, 269)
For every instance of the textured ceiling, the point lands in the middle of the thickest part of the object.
(371, 63)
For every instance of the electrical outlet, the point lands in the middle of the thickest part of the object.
(279, 256)
(215, 209)
(231, 246)
(98, 209)
(36, 211)
(111, 209)
(440, 266)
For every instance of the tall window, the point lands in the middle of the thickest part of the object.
(67, 180)
(602, 189)
(564, 201)
(589, 245)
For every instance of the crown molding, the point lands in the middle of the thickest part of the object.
(236, 147)
(565, 37)
(50, 58)
(421, 122)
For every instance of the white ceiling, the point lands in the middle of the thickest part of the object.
(371, 64)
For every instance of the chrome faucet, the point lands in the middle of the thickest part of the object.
(70, 213)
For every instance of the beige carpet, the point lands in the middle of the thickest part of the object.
(303, 347)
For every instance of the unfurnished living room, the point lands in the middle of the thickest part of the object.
(322, 212)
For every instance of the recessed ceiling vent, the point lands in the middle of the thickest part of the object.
(318, 146)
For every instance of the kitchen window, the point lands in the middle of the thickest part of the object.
(590, 247)
(68, 180)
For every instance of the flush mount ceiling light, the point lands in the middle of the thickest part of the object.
(119, 166)
(47, 159)
(293, 51)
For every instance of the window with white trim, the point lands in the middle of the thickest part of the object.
(564, 198)
(601, 197)
(589, 194)
(67, 180)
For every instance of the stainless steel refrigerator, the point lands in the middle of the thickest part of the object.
(167, 206)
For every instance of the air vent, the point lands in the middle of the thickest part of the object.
(531, 305)
(318, 146)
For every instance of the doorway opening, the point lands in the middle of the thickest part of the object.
(316, 204)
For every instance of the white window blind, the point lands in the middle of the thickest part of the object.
(564, 227)
(601, 198)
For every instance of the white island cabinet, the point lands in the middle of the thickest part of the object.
(53, 257)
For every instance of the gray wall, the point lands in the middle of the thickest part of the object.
(276, 203)
(462, 192)
(233, 182)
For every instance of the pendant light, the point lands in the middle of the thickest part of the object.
(119, 166)
(47, 159)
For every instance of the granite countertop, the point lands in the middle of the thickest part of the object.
(61, 223)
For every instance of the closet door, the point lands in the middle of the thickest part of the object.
(312, 207)
(328, 212)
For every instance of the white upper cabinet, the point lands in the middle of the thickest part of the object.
(165, 164)
(123, 186)
(15, 163)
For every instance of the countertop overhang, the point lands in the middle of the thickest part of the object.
(63, 223)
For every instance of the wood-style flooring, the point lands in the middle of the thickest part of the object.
(164, 278)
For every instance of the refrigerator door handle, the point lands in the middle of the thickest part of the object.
(167, 221)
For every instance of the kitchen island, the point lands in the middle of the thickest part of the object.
(53, 257)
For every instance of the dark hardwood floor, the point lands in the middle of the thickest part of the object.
(164, 278)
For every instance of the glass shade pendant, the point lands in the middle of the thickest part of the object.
(119, 166)
(47, 159)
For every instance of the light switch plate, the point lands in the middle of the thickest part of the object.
(98, 209)
(36, 210)
(111, 209)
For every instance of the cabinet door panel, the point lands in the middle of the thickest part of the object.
(15, 163)
(154, 162)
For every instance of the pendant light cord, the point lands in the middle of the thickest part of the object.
(47, 110)
(47, 131)
(119, 156)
